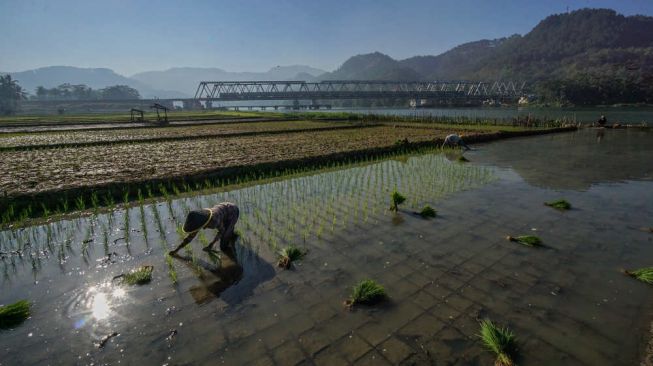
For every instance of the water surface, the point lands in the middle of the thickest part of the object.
(568, 303)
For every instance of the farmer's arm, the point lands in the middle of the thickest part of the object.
(215, 240)
(188, 239)
(463, 144)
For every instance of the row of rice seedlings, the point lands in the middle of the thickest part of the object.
(340, 185)
(360, 193)
(163, 243)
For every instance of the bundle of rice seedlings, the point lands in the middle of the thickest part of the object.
(561, 205)
(462, 159)
(140, 276)
(528, 240)
(642, 274)
(288, 255)
(397, 199)
(14, 314)
(366, 292)
(501, 341)
(427, 212)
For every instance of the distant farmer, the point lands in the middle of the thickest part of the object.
(222, 217)
(602, 121)
(454, 140)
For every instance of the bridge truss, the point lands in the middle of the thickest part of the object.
(355, 89)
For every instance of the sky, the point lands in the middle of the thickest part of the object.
(131, 36)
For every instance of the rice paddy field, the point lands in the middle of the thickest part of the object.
(436, 279)
(119, 135)
(58, 171)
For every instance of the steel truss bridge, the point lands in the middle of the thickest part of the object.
(358, 89)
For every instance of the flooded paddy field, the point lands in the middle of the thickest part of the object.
(567, 302)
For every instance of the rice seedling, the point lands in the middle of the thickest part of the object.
(125, 197)
(397, 199)
(95, 202)
(14, 314)
(427, 212)
(501, 341)
(288, 255)
(561, 205)
(139, 276)
(462, 159)
(80, 204)
(140, 197)
(642, 274)
(109, 201)
(45, 210)
(528, 240)
(366, 292)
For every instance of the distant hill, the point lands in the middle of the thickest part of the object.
(372, 66)
(95, 78)
(588, 56)
(186, 79)
(456, 63)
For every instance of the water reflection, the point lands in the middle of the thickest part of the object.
(575, 160)
(239, 270)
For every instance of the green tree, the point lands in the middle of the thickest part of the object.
(118, 92)
(10, 95)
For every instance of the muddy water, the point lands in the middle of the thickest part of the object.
(568, 303)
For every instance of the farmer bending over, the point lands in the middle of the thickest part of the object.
(222, 217)
(454, 140)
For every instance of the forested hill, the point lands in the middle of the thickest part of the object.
(589, 56)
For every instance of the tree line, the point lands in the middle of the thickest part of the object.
(11, 93)
(83, 92)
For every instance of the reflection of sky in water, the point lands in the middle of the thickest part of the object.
(99, 303)
(574, 160)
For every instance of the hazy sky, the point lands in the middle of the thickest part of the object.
(130, 36)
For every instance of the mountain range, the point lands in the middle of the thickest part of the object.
(580, 51)
(171, 83)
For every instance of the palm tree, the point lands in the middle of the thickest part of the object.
(10, 95)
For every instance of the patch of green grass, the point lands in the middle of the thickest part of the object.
(642, 274)
(140, 276)
(366, 292)
(561, 205)
(528, 240)
(14, 314)
(397, 199)
(288, 255)
(427, 212)
(501, 341)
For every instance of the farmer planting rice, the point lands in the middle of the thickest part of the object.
(222, 217)
(453, 140)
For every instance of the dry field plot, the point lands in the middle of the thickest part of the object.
(63, 168)
(129, 134)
